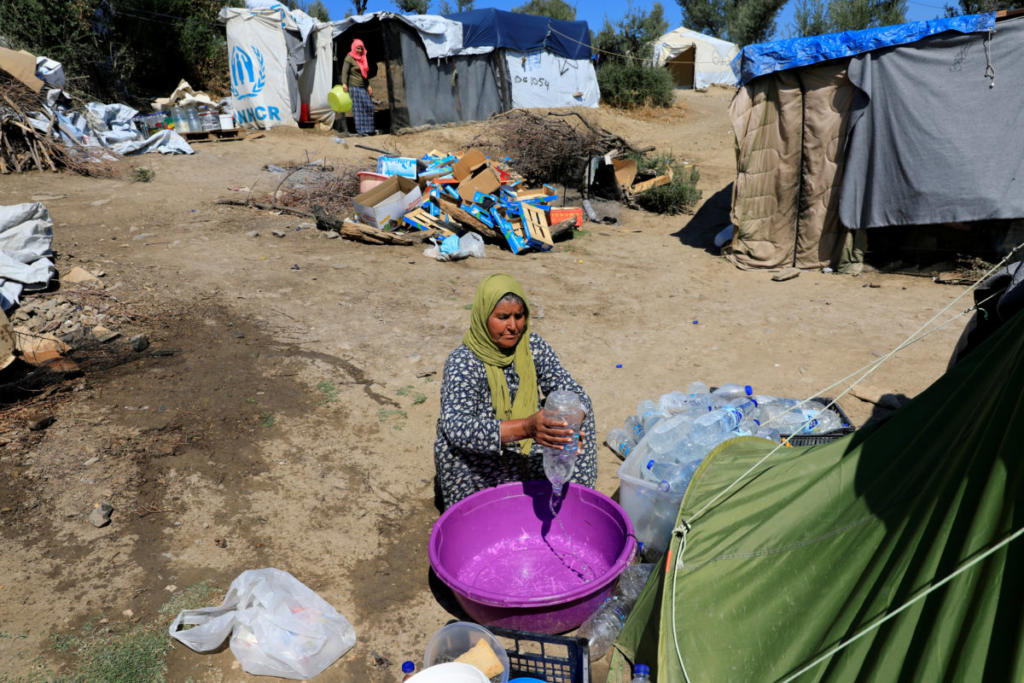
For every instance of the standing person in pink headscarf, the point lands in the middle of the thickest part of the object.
(355, 80)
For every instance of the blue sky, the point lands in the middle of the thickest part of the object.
(595, 11)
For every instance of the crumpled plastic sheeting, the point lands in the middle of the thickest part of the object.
(103, 125)
(26, 233)
(113, 128)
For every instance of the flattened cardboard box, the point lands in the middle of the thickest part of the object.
(21, 65)
(484, 180)
(388, 201)
(472, 160)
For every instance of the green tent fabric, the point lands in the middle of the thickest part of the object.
(820, 542)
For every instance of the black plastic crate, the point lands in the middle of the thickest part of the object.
(555, 659)
(817, 439)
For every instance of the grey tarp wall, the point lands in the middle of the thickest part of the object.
(933, 143)
(463, 88)
(930, 140)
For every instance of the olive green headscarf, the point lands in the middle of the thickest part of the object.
(479, 341)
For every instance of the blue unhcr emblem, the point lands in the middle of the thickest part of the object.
(246, 81)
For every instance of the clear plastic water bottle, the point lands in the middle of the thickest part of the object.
(620, 441)
(728, 392)
(649, 414)
(712, 427)
(604, 626)
(559, 463)
(699, 398)
(180, 120)
(194, 124)
(632, 581)
(668, 433)
(641, 674)
(635, 426)
(672, 475)
(673, 402)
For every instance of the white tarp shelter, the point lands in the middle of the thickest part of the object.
(278, 59)
(696, 60)
(463, 67)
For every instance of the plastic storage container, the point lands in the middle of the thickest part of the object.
(652, 510)
(458, 638)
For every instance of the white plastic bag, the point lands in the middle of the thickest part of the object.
(278, 626)
(453, 248)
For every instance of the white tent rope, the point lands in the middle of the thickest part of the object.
(917, 335)
(934, 587)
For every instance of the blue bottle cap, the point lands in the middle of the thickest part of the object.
(408, 667)
(641, 670)
(650, 464)
(749, 389)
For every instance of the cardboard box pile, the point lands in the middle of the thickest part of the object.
(441, 191)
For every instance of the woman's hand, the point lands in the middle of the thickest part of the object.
(369, 90)
(550, 431)
(345, 88)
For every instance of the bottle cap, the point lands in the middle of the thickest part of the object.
(641, 670)
(650, 464)
(749, 389)
(408, 667)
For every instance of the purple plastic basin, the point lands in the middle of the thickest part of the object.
(513, 564)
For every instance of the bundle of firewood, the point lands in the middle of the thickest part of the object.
(23, 147)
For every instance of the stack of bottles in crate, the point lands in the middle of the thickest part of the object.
(673, 435)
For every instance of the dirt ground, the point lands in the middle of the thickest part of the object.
(284, 414)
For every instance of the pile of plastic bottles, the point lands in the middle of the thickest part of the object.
(673, 435)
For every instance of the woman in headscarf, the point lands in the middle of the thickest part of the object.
(491, 429)
(355, 80)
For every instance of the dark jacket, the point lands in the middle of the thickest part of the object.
(350, 74)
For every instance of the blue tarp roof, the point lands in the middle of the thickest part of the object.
(765, 58)
(523, 32)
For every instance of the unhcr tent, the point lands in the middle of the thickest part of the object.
(278, 59)
(426, 69)
(897, 126)
(696, 60)
(893, 554)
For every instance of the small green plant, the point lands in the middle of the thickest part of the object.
(329, 391)
(679, 195)
(630, 85)
(417, 397)
(126, 653)
(142, 175)
(268, 419)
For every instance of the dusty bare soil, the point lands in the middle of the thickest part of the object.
(285, 416)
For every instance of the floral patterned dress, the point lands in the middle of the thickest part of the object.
(468, 452)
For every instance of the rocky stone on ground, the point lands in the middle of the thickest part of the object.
(100, 515)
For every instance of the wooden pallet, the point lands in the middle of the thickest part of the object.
(214, 135)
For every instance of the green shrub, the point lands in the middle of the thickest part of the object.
(678, 196)
(634, 85)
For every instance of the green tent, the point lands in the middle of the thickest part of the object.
(893, 554)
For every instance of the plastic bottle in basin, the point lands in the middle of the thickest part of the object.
(649, 414)
(641, 674)
(560, 462)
